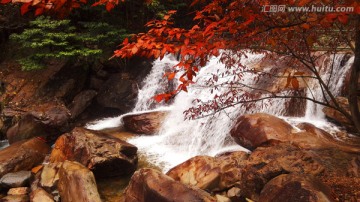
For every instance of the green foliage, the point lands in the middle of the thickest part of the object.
(47, 39)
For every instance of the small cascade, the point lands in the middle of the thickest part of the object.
(154, 84)
(180, 139)
(333, 70)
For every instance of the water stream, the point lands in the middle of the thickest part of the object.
(179, 139)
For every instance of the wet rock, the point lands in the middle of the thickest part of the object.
(104, 155)
(15, 198)
(22, 155)
(19, 191)
(118, 92)
(209, 173)
(81, 102)
(17, 179)
(293, 187)
(252, 130)
(28, 127)
(40, 195)
(149, 185)
(144, 123)
(77, 183)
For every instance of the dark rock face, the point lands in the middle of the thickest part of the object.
(148, 185)
(104, 155)
(118, 92)
(145, 123)
(210, 173)
(77, 183)
(22, 155)
(17, 179)
(289, 188)
(81, 102)
(47, 120)
(28, 127)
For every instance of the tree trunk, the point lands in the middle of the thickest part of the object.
(353, 85)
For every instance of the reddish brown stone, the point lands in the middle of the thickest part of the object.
(145, 123)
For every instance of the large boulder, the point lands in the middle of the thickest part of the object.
(144, 123)
(77, 183)
(47, 119)
(118, 92)
(148, 185)
(104, 155)
(288, 188)
(253, 130)
(210, 173)
(22, 155)
(28, 127)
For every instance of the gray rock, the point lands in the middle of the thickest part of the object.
(17, 179)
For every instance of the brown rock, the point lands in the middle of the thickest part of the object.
(15, 198)
(19, 191)
(28, 127)
(77, 183)
(49, 176)
(252, 130)
(289, 188)
(266, 163)
(22, 155)
(255, 130)
(148, 185)
(40, 195)
(336, 115)
(209, 173)
(104, 155)
(144, 123)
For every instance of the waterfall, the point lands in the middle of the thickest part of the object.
(333, 70)
(180, 139)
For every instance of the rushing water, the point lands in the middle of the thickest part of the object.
(180, 139)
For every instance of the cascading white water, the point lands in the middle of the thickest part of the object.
(180, 139)
(333, 70)
(154, 84)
